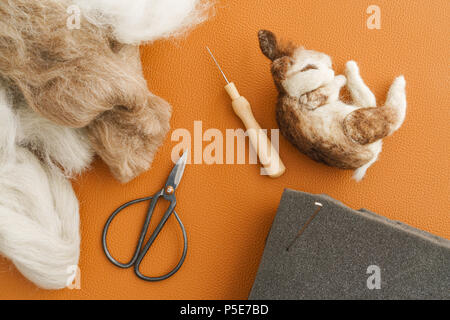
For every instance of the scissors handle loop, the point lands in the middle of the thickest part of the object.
(139, 254)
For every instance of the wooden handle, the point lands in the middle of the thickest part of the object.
(267, 154)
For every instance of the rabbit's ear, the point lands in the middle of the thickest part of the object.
(268, 44)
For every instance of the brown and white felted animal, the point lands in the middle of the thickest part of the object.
(312, 116)
(91, 76)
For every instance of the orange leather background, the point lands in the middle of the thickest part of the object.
(228, 209)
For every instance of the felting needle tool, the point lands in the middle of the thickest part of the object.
(267, 154)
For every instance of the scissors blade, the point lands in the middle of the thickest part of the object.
(177, 172)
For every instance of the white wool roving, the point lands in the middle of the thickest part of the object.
(39, 219)
(145, 20)
(56, 145)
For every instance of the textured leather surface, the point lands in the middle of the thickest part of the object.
(228, 209)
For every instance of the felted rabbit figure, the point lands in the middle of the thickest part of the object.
(312, 116)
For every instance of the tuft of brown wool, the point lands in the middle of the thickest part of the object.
(83, 78)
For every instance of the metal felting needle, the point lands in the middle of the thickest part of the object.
(267, 154)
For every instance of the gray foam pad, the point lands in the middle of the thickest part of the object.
(330, 259)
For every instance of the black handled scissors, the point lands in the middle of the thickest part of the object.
(167, 193)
